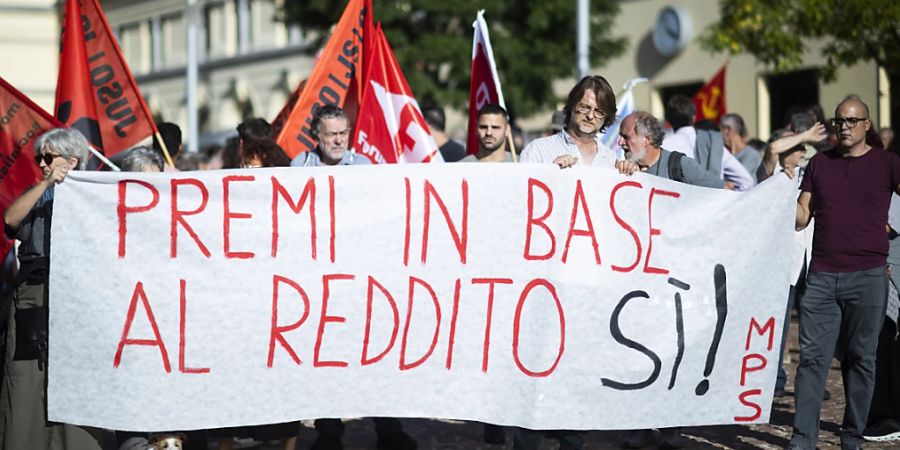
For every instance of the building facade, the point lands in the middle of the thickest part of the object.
(751, 90)
(29, 55)
(249, 61)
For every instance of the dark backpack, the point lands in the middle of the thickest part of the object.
(676, 173)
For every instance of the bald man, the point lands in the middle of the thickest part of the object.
(848, 189)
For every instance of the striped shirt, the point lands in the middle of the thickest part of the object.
(546, 149)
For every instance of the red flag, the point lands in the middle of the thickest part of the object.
(484, 84)
(390, 126)
(21, 122)
(709, 101)
(281, 118)
(95, 92)
(335, 77)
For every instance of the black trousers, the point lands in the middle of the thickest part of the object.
(384, 426)
(886, 399)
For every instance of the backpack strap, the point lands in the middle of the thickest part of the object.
(676, 172)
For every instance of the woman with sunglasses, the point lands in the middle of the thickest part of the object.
(22, 402)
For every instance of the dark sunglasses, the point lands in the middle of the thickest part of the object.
(46, 157)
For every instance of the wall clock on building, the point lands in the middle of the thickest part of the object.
(672, 32)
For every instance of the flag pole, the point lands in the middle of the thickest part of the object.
(163, 146)
(512, 146)
(103, 158)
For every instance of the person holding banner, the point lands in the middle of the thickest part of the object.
(590, 109)
(641, 137)
(848, 189)
(331, 128)
(22, 402)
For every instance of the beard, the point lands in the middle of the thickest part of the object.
(636, 155)
(491, 147)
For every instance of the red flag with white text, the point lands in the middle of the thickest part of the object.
(21, 122)
(484, 84)
(390, 127)
(95, 92)
(709, 101)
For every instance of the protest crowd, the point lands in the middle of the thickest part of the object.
(843, 289)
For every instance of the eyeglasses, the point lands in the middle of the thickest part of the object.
(583, 109)
(851, 122)
(251, 166)
(47, 158)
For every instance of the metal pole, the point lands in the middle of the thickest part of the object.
(192, 144)
(582, 49)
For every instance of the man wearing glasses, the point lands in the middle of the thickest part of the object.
(590, 109)
(848, 189)
(331, 127)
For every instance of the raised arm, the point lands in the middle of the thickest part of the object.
(815, 134)
(20, 207)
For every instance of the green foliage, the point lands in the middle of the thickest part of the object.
(777, 31)
(533, 41)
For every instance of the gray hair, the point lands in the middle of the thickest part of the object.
(646, 125)
(67, 142)
(736, 122)
(141, 157)
(323, 113)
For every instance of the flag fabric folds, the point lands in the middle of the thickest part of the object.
(336, 76)
(624, 107)
(21, 122)
(390, 127)
(484, 84)
(709, 101)
(95, 92)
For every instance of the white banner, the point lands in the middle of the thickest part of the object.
(512, 294)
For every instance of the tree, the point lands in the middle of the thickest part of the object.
(777, 34)
(533, 41)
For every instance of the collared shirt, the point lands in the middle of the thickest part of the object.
(312, 159)
(685, 138)
(546, 149)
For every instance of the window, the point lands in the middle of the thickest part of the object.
(265, 31)
(134, 48)
(217, 35)
(789, 90)
(173, 41)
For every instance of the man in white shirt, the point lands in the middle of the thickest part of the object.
(590, 109)
(680, 113)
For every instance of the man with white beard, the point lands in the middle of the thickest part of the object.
(641, 137)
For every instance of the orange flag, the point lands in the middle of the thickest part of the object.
(390, 127)
(95, 92)
(709, 101)
(21, 122)
(336, 76)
